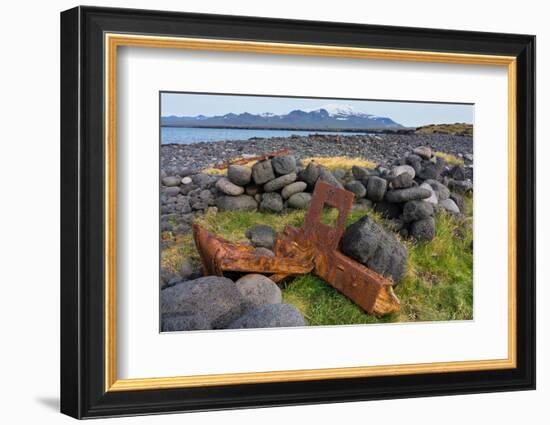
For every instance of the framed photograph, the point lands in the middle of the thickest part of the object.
(261, 212)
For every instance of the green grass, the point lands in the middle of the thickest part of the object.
(438, 284)
(456, 128)
(451, 159)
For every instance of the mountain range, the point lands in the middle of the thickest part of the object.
(333, 117)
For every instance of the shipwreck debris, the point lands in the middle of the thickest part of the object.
(313, 248)
(247, 159)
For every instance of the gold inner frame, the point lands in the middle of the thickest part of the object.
(113, 41)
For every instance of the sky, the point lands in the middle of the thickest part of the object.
(408, 114)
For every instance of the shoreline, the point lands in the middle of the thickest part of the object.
(400, 130)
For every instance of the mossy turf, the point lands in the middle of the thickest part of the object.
(438, 284)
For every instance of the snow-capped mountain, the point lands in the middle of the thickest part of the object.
(332, 116)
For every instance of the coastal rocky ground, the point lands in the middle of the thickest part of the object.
(409, 181)
(381, 148)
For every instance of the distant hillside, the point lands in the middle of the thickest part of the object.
(457, 129)
(329, 117)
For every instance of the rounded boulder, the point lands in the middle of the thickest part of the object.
(262, 172)
(299, 200)
(357, 188)
(239, 174)
(423, 230)
(284, 164)
(372, 245)
(417, 210)
(261, 235)
(229, 188)
(404, 195)
(279, 182)
(215, 298)
(258, 290)
(236, 203)
(293, 188)
(376, 188)
(271, 202)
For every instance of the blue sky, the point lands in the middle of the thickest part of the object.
(410, 114)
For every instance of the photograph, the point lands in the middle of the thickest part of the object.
(281, 212)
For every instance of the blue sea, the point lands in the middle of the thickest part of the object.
(189, 135)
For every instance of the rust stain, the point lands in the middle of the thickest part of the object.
(313, 248)
(242, 161)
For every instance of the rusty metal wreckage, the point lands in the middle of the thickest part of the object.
(313, 248)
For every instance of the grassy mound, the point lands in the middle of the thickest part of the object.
(461, 129)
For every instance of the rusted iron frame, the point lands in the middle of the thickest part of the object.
(314, 248)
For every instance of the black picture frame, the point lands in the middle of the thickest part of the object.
(83, 392)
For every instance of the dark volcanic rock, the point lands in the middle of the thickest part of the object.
(361, 173)
(204, 181)
(376, 188)
(310, 174)
(299, 200)
(215, 298)
(357, 188)
(461, 187)
(441, 191)
(279, 182)
(370, 244)
(423, 151)
(262, 172)
(433, 197)
(423, 230)
(382, 149)
(429, 171)
(229, 188)
(272, 202)
(239, 174)
(326, 176)
(459, 201)
(171, 181)
(261, 235)
(258, 290)
(414, 161)
(404, 195)
(449, 205)
(400, 169)
(417, 210)
(270, 316)
(339, 173)
(458, 172)
(180, 322)
(170, 191)
(402, 181)
(235, 203)
(293, 188)
(284, 164)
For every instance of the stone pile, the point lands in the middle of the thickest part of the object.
(270, 185)
(407, 192)
(213, 302)
(410, 191)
